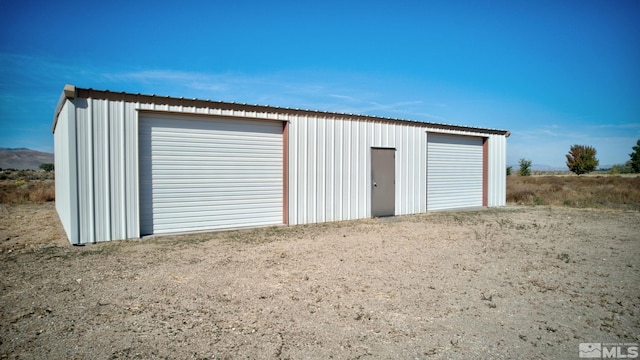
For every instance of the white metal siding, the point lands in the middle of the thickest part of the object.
(329, 163)
(65, 175)
(330, 169)
(204, 173)
(107, 170)
(497, 178)
(454, 172)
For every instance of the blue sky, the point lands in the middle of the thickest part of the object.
(554, 73)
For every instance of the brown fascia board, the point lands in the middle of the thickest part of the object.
(198, 103)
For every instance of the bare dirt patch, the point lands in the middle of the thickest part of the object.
(516, 282)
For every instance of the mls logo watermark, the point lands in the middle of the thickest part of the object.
(608, 350)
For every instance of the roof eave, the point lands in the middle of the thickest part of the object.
(72, 92)
(69, 92)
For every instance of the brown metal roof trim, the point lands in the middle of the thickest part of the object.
(173, 101)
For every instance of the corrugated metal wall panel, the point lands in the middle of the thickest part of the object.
(497, 171)
(329, 171)
(454, 172)
(311, 170)
(116, 166)
(101, 179)
(204, 173)
(107, 187)
(422, 187)
(364, 176)
(403, 159)
(131, 168)
(121, 202)
(65, 175)
(85, 170)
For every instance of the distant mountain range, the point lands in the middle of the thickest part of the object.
(542, 167)
(23, 158)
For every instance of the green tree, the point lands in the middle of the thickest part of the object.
(621, 168)
(635, 158)
(581, 159)
(509, 170)
(525, 167)
(48, 167)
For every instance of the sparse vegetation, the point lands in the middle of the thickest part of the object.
(581, 159)
(525, 167)
(48, 167)
(26, 186)
(621, 169)
(21, 191)
(573, 191)
(25, 175)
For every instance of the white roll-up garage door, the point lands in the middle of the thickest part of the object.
(454, 171)
(205, 173)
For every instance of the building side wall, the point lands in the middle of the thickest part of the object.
(66, 187)
(328, 173)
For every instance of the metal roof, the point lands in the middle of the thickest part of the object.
(71, 91)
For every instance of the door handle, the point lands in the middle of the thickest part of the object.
(375, 184)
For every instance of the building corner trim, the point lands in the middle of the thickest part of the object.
(69, 92)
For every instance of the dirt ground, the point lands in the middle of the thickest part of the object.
(515, 282)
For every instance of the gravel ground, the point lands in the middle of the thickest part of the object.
(514, 282)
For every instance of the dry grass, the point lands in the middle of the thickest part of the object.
(22, 192)
(575, 191)
(25, 175)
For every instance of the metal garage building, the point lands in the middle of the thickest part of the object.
(129, 165)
